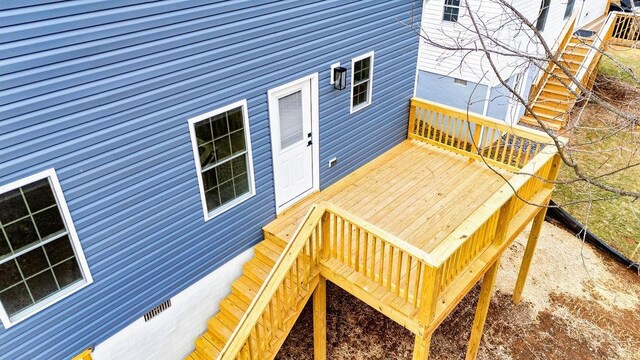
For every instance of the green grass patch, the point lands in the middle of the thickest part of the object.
(628, 57)
(599, 151)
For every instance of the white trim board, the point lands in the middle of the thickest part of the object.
(208, 215)
(315, 137)
(73, 237)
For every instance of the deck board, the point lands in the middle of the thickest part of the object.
(415, 191)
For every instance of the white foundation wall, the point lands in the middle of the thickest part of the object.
(171, 334)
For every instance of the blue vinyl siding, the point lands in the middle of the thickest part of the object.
(442, 89)
(102, 91)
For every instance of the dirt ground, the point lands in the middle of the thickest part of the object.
(577, 305)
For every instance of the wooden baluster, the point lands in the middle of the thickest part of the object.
(334, 240)
(398, 271)
(312, 251)
(250, 342)
(507, 141)
(523, 148)
(416, 288)
(260, 335)
(366, 253)
(465, 134)
(408, 278)
(424, 122)
(374, 253)
(357, 259)
(442, 128)
(477, 133)
(286, 291)
(307, 271)
(272, 320)
(431, 130)
(350, 245)
(381, 264)
(342, 239)
(513, 147)
(447, 133)
(390, 267)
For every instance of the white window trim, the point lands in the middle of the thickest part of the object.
(353, 109)
(208, 215)
(444, 6)
(73, 237)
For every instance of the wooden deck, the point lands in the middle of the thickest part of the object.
(409, 233)
(416, 191)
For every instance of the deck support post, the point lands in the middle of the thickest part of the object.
(320, 319)
(528, 254)
(421, 347)
(481, 310)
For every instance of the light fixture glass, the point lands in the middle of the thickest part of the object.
(339, 78)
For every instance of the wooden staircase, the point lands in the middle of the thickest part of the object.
(554, 101)
(221, 326)
(415, 285)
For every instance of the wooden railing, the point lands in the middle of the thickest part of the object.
(589, 68)
(559, 47)
(391, 263)
(529, 153)
(488, 225)
(291, 277)
(626, 30)
(473, 135)
(330, 237)
(326, 233)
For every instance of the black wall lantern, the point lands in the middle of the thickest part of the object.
(339, 78)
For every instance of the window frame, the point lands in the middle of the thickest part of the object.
(61, 202)
(568, 10)
(544, 10)
(352, 108)
(444, 8)
(208, 215)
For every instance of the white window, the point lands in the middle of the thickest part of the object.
(361, 81)
(41, 260)
(222, 153)
(451, 10)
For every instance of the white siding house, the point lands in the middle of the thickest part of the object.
(465, 78)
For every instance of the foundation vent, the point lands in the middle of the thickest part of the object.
(157, 310)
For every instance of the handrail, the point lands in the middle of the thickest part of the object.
(479, 137)
(403, 284)
(558, 48)
(267, 290)
(602, 37)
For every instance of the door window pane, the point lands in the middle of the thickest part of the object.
(290, 111)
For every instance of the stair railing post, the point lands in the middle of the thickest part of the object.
(426, 310)
(412, 119)
(325, 243)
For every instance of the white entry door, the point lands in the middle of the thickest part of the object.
(291, 117)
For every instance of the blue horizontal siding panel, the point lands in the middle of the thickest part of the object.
(102, 91)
